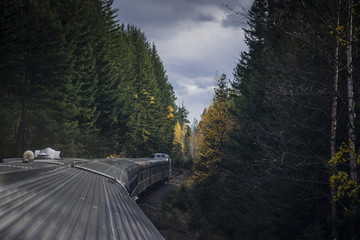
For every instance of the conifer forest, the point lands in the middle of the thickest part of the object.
(275, 155)
(75, 79)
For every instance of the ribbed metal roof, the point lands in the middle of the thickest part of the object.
(70, 203)
(115, 168)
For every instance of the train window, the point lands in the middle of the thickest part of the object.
(160, 155)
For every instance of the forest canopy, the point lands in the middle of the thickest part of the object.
(276, 154)
(75, 79)
(277, 150)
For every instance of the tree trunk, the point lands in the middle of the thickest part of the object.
(350, 90)
(334, 232)
(351, 104)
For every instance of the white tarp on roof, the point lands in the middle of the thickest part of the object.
(48, 153)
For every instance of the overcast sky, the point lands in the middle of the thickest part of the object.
(194, 38)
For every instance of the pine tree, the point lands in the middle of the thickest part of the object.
(81, 41)
(164, 102)
(75, 80)
(106, 48)
(43, 76)
(142, 91)
(11, 53)
(281, 103)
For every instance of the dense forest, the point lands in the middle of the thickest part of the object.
(76, 80)
(277, 151)
(275, 155)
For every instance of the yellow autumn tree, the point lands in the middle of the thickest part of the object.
(177, 135)
(179, 138)
(341, 181)
(214, 127)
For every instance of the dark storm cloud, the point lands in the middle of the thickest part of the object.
(168, 12)
(147, 12)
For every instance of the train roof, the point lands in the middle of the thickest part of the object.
(57, 200)
(161, 156)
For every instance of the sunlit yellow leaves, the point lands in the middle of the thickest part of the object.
(339, 29)
(345, 187)
(342, 156)
(171, 116)
(215, 124)
(179, 136)
(341, 181)
(342, 34)
(171, 113)
(146, 95)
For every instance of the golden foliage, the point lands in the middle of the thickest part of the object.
(213, 129)
(341, 181)
(171, 112)
(179, 136)
(341, 32)
(147, 96)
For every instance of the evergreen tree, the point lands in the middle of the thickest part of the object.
(106, 56)
(148, 107)
(40, 77)
(213, 129)
(164, 106)
(75, 80)
(274, 167)
(81, 40)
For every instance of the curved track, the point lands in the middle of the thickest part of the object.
(152, 202)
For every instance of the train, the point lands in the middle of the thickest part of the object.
(44, 196)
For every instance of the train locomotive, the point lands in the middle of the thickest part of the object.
(43, 196)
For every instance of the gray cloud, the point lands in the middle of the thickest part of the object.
(149, 12)
(233, 20)
(145, 12)
(205, 18)
(194, 38)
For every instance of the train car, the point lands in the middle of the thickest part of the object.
(167, 164)
(151, 171)
(48, 197)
